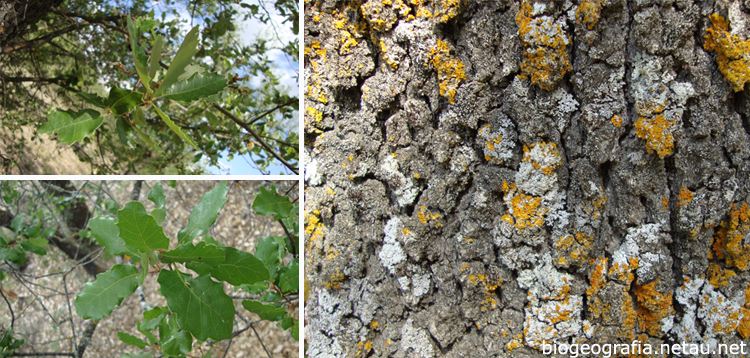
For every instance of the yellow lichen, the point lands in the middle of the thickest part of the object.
(450, 70)
(425, 215)
(548, 160)
(729, 243)
(588, 12)
(489, 288)
(616, 121)
(656, 131)
(598, 277)
(524, 210)
(653, 306)
(545, 58)
(685, 197)
(446, 9)
(718, 276)
(733, 53)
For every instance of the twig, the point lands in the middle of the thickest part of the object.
(257, 137)
(12, 316)
(288, 103)
(292, 244)
(86, 339)
(261, 341)
(41, 40)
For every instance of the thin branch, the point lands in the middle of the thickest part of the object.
(292, 244)
(288, 103)
(86, 339)
(257, 137)
(261, 341)
(12, 316)
(41, 40)
(93, 20)
(42, 354)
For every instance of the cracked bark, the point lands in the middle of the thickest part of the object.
(601, 205)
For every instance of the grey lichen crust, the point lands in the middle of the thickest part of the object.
(486, 176)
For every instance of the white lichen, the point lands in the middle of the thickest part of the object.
(392, 254)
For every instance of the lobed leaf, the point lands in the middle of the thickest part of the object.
(181, 59)
(139, 229)
(266, 312)
(121, 101)
(200, 85)
(72, 126)
(200, 305)
(188, 252)
(101, 296)
(92, 99)
(205, 213)
(268, 202)
(238, 267)
(289, 279)
(107, 233)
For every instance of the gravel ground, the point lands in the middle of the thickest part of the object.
(41, 311)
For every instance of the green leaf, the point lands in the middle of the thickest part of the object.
(270, 251)
(181, 342)
(156, 195)
(269, 203)
(190, 70)
(107, 233)
(145, 136)
(205, 213)
(238, 267)
(121, 101)
(155, 56)
(145, 332)
(175, 128)
(137, 355)
(72, 126)
(188, 252)
(101, 296)
(295, 330)
(139, 55)
(139, 118)
(14, 255)
(200, 306)
(181, 59)
(153, 317)
(28, 246)
(92, 98)
(17, 224)
(139, 229)
(266, 312)
(131, 340)
(199, 86)
(289, 279)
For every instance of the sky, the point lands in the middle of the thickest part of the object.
(286, 70)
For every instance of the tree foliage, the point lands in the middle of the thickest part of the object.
(135, 87)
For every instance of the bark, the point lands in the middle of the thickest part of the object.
(486, 176)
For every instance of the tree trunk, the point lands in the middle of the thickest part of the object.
(485, 177)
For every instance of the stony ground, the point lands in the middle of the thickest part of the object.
(41, 322)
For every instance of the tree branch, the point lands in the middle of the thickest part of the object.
(41, 40)
(94, 20)
(86, 339)
(257, 137)
(288, 103)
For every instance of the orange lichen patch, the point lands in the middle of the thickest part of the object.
(383, 14)
(588, 12)
(446, 9)
(577, 248)
(313, 118)
(684, 198)
(653, 306)
(349, 32)
(545, 58)
(665, 203)
(624, 271)
(729, 243)
(315, 90)
(335, 280)
(524, 210)
(744, 327)
(450, 70)
(728, 325)
(313, 230)
(733, 53)
(718, 276)
(546, 158)
(489, 288)
(425, 215)
(374, 325)
(598, 277)
(516, 342)
(616, 121)
(656, 131)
